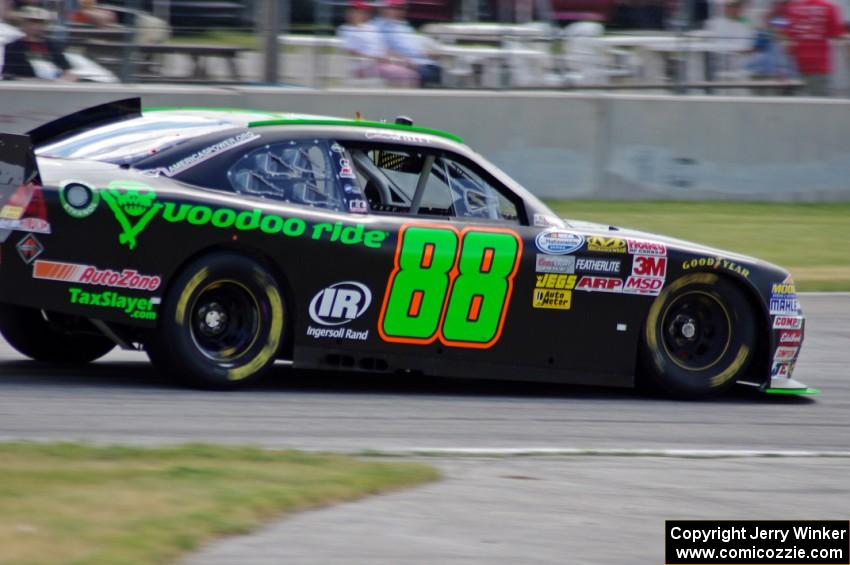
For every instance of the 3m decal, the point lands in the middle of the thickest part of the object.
(552, 299)
(606, 244)
(89, 274)
(567, 282)
(208, 153)
(29, 247)
(137, 308)
(649, 266)
(790, 337)
(450, 285)
(788, 323)
(604, 266)
(601, 284)
(638, 247)
(338, 305)
(558, 242)
(716, 263)
(135, 208)
(555, 263)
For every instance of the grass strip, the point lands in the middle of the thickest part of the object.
(74, 503)
(812, 241)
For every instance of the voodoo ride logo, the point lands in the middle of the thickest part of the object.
(135, 203)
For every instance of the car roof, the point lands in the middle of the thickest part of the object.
(261, 118)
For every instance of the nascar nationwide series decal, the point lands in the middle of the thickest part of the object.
(135, 204)
(89, 274)
(450, 285)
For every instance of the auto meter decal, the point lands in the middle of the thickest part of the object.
(450, 285)
(558, 242)
(337, 305)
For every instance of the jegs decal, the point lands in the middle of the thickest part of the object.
(450, 285)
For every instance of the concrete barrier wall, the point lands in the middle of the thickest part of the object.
(561, 145)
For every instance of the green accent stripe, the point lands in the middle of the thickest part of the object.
(793, 391)
(356, 123)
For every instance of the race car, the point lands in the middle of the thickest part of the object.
(221, 241)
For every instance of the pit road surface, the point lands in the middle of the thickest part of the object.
(488, 510)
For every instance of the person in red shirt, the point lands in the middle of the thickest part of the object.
(808, 26)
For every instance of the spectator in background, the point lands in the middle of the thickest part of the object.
(403, 42)
(808, 26)
(89, 13)
(35, 45)
(365, 43)
(732, 27)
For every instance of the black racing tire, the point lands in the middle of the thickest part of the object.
(31, 333)
(221, 323)
(699, 337)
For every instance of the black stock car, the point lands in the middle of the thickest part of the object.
(222, 240)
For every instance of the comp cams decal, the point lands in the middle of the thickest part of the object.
(558, 242)
(788, 323)
(89, 274)
(338, 305)
(137, 308)
(449, 285)
(135, 205)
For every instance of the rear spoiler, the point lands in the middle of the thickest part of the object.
(86, 119)
(19, 180)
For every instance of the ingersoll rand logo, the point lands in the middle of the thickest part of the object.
(340, 303)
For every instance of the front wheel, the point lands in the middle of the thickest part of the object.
(699, 336)
(222, 323)
(43, 337)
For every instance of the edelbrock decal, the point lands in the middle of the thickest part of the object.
(558, 242)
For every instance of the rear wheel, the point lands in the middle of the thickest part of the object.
(222, 323)
(699, 336)
(45, 337)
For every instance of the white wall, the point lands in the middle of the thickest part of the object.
(561, 144)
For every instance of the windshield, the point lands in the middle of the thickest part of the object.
(129, 141)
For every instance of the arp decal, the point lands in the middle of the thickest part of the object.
(89, 274)
(338, 305)
(788, 323)
(558, 242)
(555, 263)
(552, 299)
(600, 284)
(450, 285)
(138, 308)
(29, 248)
(606, 244)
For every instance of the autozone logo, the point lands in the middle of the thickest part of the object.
(564, 282)
(637, 247)
(649, 266)
(643, 285)
(606, 244)
(340, 303)
(788, 323)
(601, 284)
(791, 336)
(785, 353)
(89, 274)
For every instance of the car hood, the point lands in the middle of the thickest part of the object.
(592, 228)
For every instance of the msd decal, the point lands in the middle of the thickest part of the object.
(89, 274)
(643, 285)
(600, 284)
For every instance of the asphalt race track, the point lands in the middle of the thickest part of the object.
(543, 507)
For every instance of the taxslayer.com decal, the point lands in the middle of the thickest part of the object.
(89, 274)
(135, 307)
